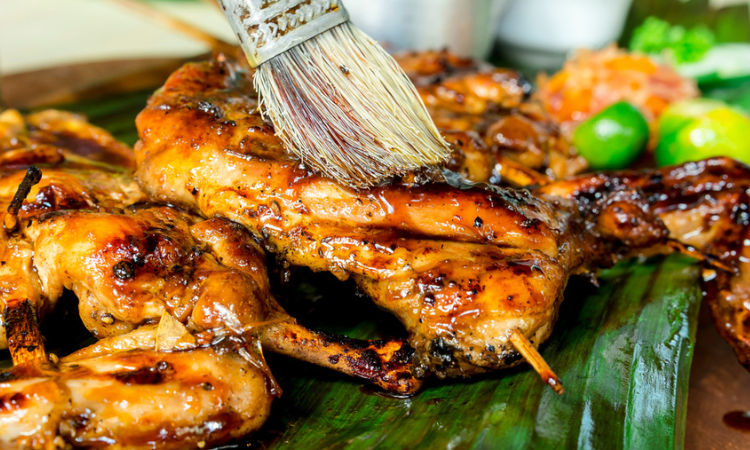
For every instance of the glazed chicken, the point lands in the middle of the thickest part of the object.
(134, 399)
(181, 305)
(129, 262)
(489, 104)
(54, 140)
(705, 206)
(462, 267)
(157, 386)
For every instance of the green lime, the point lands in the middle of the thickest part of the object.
(720, 132)
(677, 115)
(612, 139)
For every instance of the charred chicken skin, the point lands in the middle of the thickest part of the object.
(490, 104)
(462, 267)
(170, 295)
(706, 207)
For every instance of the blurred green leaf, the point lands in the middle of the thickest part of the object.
(677, 43)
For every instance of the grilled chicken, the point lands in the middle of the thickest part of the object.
(462, 267)
(54, 141)
(85, 228)
(134, 399)
(155, 387)
(181, 305)
(464, 95)
(704, 206)
(130, 269)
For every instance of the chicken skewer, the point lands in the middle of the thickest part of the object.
(454, 265)
(130, 266)
(547, 216)
(520, 149)
(704, 205)
(209, 275)
(463, 267)
(177, 301)
(46, 405)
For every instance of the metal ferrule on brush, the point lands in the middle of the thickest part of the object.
(267, 28)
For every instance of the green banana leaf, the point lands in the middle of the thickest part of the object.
(622, 351)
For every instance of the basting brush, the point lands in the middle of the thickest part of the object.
(337, 99)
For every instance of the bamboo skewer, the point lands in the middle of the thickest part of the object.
(191, 30)
(693, 252)
(25, 341)
(32, 177)
(536, 361)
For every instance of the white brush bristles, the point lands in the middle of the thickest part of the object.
(344, 106)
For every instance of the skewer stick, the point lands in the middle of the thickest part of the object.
(25, 341)
(693, 252)
(32, 177)
(189, 29)
(533, 357)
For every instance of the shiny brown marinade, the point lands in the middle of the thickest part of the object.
(180, 305)
(460, 266)
(468, 269)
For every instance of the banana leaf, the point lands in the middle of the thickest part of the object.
(623, 352)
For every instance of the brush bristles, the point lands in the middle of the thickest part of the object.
(343, 105)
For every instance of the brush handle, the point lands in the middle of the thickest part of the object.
(267, 28)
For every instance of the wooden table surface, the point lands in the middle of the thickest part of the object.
(718, 386)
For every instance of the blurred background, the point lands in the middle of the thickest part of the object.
(526, 34)
(41, 33)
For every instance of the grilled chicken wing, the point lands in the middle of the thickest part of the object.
(461, 266)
